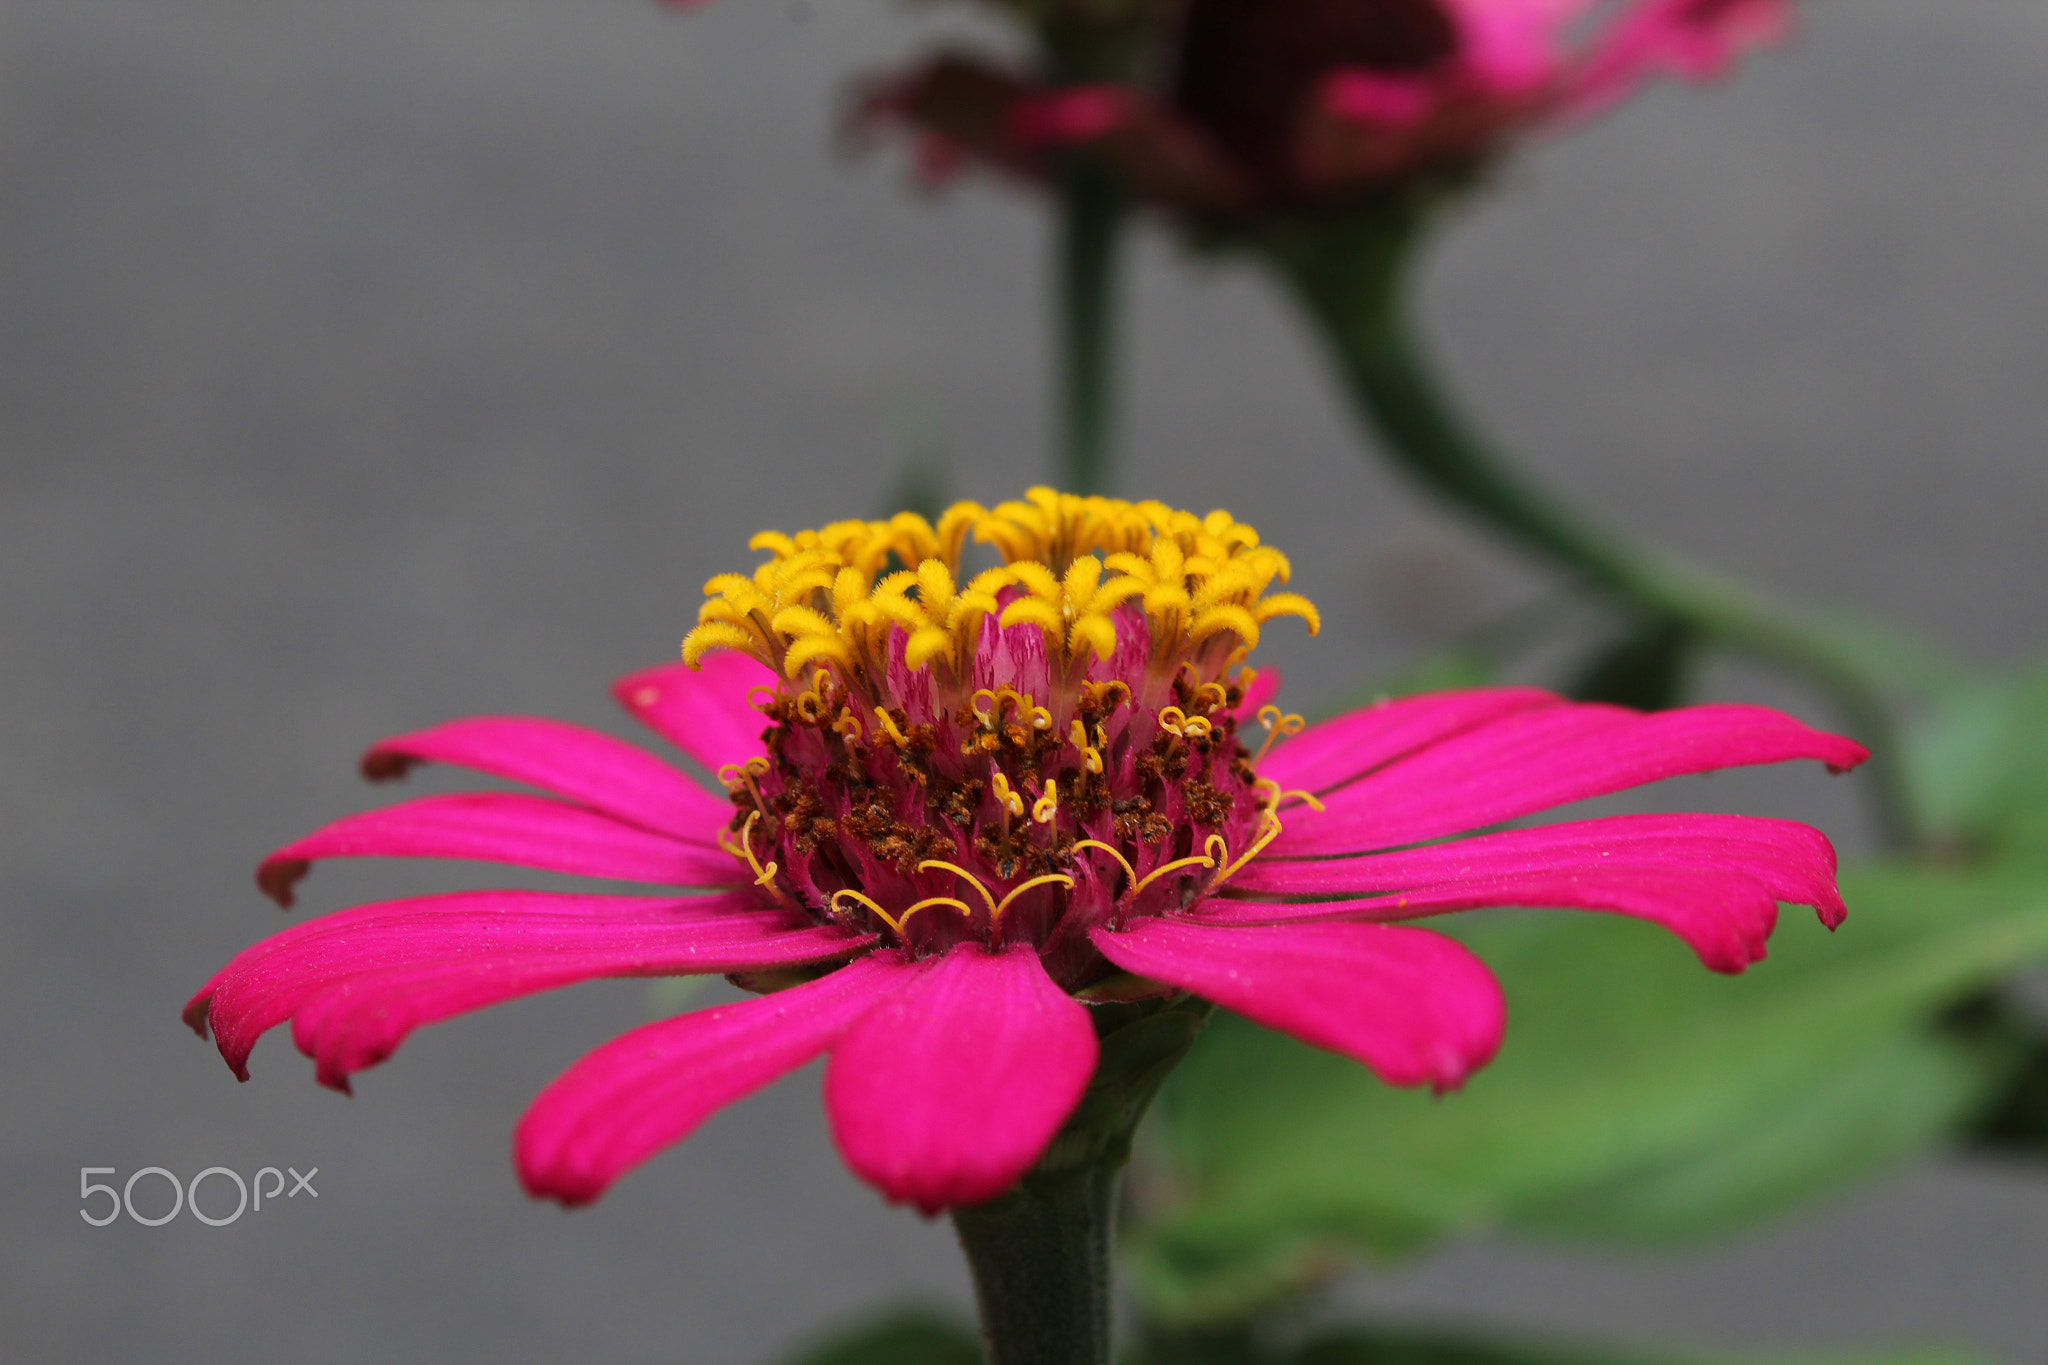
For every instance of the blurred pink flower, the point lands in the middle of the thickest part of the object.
(1287, 100)
(955, 813)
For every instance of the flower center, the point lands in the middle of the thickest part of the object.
(1050, 747)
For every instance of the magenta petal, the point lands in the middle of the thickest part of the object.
(1416, 1007)
(650, 1088)
(948, 1092)
(704, 712)
(1531, 760)
(1357, 742)
(358, 981)
(502, 827)
(1725, 916)
(584, 765)
(1714, 880)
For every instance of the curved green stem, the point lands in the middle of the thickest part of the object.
(1352, 284)
(1091, 213)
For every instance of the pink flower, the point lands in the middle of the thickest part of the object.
(955, 813)
(1276, 101)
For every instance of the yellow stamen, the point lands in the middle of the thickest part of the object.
(889, 731)
(996, 914)
(1156, 873)
(1270, 796)
(1091, 755)
(1269, 831)
(971, 879)
(742, 846)
(1277, 723)
(1046, 807)
(896, 922)
(1006, 795)
(1125, 863)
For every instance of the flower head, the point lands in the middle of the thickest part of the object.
(1274, 103)
(960, 807)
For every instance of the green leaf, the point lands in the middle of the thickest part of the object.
(1636, 1094)
(1375, 1347)
(1898, 1100)
(904, 1336)
(1405, 1346)
(1978, 764)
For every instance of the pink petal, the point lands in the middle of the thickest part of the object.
(1341, 749)
(1531, 760)
(950, 1091)
(502, 827)
(1697, 40)
(1724, 916)
(704, 712)
(650, 1088)
(584, 765)
(1416, 1007)
(1794, 862)
(360, 980)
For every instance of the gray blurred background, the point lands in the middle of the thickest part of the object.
(367, 364)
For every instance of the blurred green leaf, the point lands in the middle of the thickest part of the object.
(1401, 1346)
(1636, 1095)
(905, 1336)
(1978, 765)
(1897, 1100)
(1363, 1347)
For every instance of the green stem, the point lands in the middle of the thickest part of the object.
(1041, 1253)
(1091, 212)
(1040, 1257)
(1354, 289)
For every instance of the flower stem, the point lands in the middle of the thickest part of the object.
(1040, 1257)
(1041, 1253)
(1091, 213)
(1352, 284)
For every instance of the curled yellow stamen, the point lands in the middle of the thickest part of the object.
(1091, 755)
(963, 873)
(1006, 795)
(741, 845)
(1099, 690)
(996, 913)
(1122, 861)
(761, 687)
(1267, 834)
(1156, 873)
(1047, 806)
(849, 727)
(1277, 723)
(1212, 694)
(1270, 796)
(896, 922)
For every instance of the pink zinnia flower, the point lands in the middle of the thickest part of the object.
(957, 813)
(1281, 101)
